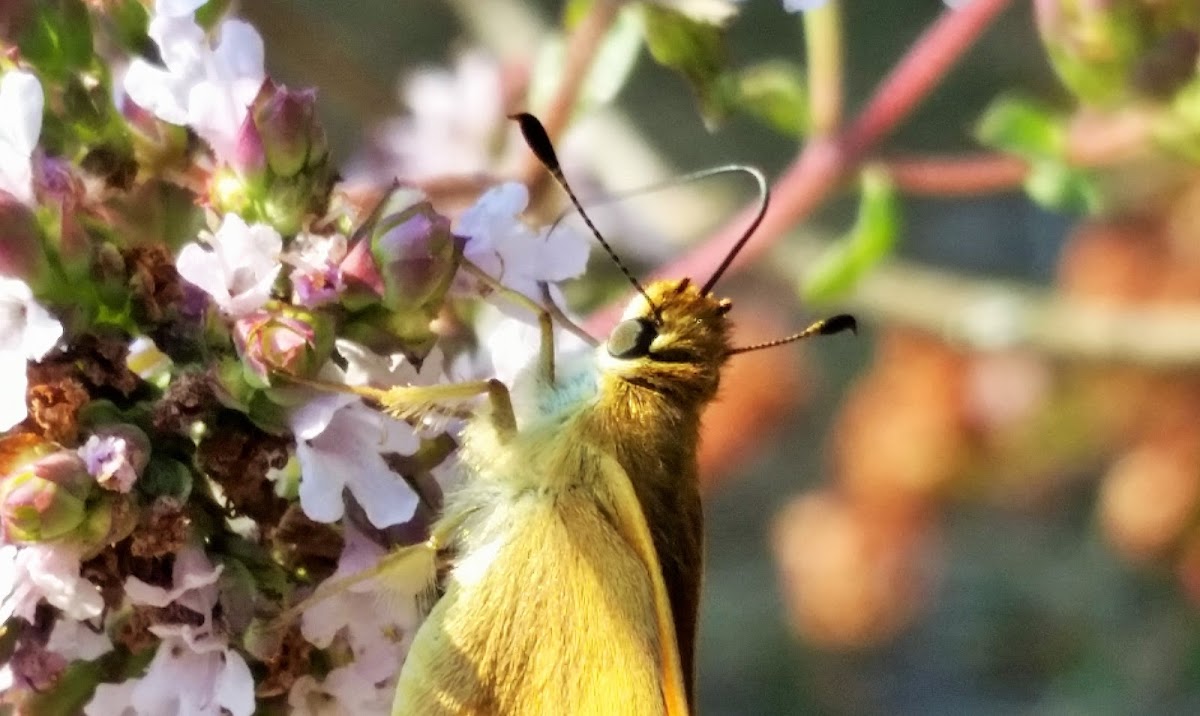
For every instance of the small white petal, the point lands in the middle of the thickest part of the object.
(235, 685)
(155, 90)
(12, 389)
(75, 640)
(21, 104)
(112, 699)
(320, 487)
(42, 331)
(240, 51)
(204, 270)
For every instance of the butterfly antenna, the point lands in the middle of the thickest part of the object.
(826, 327)
(541, 146)
(764, 200)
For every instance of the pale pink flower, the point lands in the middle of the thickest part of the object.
(239, 268)
(316, 274)
(109, 460)
(208, 87)
(27, 332)
(454, 122)
(74, 641)
(513, 252)
(368, 615)
(193, 672)
(21, 102)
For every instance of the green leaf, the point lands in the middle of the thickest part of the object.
(611, 67)
(869, 241)
(1058, 186)
(59, 39)
(1022, 127)
(211, 12)
(774, 92)
(695, 49)
(165, 477)
(130, 21)
(574, 11)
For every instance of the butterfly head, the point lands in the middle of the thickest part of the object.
(672, 340)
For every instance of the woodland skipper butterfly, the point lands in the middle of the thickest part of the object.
(574, 546)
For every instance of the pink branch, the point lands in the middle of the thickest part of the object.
(824, 162)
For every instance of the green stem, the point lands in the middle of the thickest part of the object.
(823, 44)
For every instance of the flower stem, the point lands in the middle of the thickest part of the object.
(823, 43)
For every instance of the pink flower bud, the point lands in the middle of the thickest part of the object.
(361, 275)
(292, 136)
(417, 256)
(249, 159)
(285, 339)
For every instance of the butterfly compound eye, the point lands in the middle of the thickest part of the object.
(632, 338)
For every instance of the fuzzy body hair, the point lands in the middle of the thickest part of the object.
(577, 547)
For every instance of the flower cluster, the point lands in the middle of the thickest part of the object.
(172, 476)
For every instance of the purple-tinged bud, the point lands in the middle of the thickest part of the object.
(249, 158)
(21, 250)
(417, 257)
(116, 455)
(364, 284)
(46, 499)
(283, 339)
(292, 135)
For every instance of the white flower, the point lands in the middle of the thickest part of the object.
(27, 332)
(208, 88)
(239, 270)
(453, 122)
(75, 640)
(194, 672)
(369, 614)
(316, 275)
(340, 444)
(181, 680)
(21, 102)
(193, 578)
(508, 249)
(345, 691)
(31, 573)
(508, 345)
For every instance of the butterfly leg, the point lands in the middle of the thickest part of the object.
(544, 318)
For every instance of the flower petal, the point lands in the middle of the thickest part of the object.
(235, 685)
(13, 408)
(21, 105)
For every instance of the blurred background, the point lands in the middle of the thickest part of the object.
(954, 512)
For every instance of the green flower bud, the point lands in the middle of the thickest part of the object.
(45, 500)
